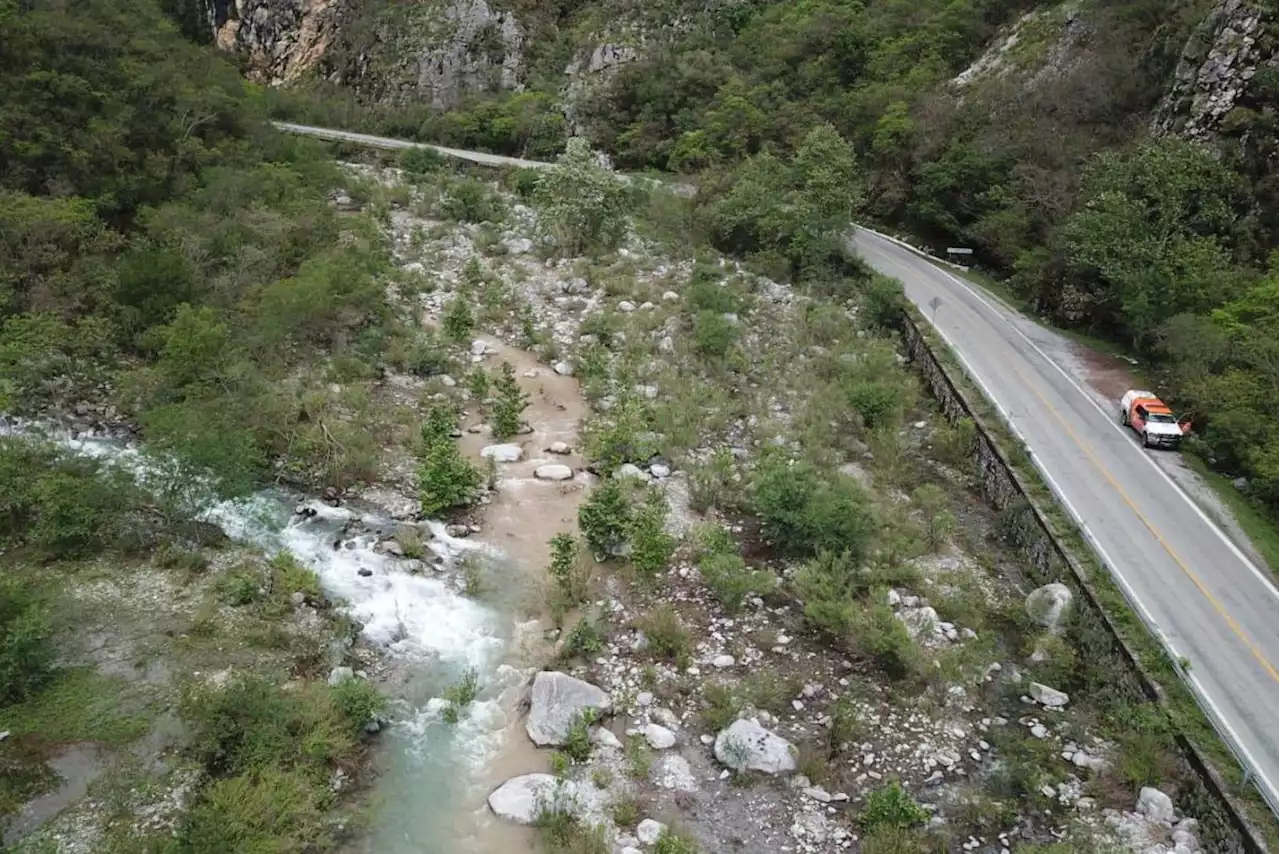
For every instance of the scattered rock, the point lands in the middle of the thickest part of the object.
(564, 369)
(649, 831)
(602, 737)
(338, 675)
(1155, 805)
(630, 470)
(560, 448)
(659, 737)
(720, 662)
(556, 702)
(553, 471)
(660, 471)
(1049, 605)
(521, 799)
(626, 306)
(1046, 696)
(745, 745)
(508, 453)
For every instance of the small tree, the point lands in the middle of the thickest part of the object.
(458, 319)
(651, 545)
(510, 402)
(605, 518)
(581, 205)
(445, 478)
(570, 581)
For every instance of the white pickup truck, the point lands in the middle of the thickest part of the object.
(1147, 415)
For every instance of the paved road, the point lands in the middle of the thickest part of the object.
(1211, 604)
(388, 142)
(1197, 590)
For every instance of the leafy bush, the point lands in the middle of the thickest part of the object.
(359, 700)
(877, 403)
(468, 200)
(26, 653)
(713, 334)
(458, 321)
(445, 478)
(585, 639)
(289, 577)
(605, 518)
(511, 401)
(577, 741)
(623, 437)
(581, 205)
(421, 161)
(892, 806)
(804, 510)
(671, 842)
(239, 588)
(269, 810)
(651, 545)
(883, 301)
(566, 569)
(730, 580)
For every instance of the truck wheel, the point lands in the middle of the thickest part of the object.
(1146, 443)
(1124, 417)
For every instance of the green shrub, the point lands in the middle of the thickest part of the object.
(651, 545)
(239, 588)
(713, 334)
(705, 292)
(26, 653)
(605, 518)
(270, 810)
(709, 481)
(883, 301)
(525, 182)
(289, 577)
(577, 741)
(668, 639)
(581, 205)
(804, 511)
(252, 725)
(359, 700)
(566, 569)
(585, 639)
(731, 581)
(877, 403)
(461, 694)
(625, 813)
(895, 840)
(421, 161)
(468, 200)
(458, 321)
(892, 806)
(639, 757)
(445, 478)
(671, 842)
(504, 421)
(621, 438)
(953, 442)
(876, 633)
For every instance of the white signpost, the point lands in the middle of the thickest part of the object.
(959, 250)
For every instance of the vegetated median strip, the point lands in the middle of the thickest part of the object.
(1176, 700)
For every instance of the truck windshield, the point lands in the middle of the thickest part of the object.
(1160, 418)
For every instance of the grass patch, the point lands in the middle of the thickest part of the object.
(81, 705)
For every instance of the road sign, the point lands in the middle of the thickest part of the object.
(959, 250)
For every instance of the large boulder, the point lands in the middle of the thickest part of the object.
(1049, 605)
(745, 745)
(1155, 805)
(1049, 697)
(558, 699)
(522, 799)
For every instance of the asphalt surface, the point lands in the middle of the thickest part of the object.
(389, 143)
(1192, 586)
(1189, 582)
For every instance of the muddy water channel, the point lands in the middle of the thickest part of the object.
(434, 775)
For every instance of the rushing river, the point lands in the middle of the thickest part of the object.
(433, 775)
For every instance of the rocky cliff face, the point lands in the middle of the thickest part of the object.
(1217, 71)
(438, 52)
(280, 39)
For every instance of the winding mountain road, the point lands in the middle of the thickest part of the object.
(1206, 600)
(1194, 588)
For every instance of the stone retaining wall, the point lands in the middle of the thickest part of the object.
(1202, 793)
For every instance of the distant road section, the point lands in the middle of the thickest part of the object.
(388, 142)
(1191, 584)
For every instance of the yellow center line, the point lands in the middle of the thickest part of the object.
(1217, 606)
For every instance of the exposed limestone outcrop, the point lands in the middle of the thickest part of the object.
(1213, 76)
(280, 39)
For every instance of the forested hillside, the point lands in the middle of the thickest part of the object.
(167, 258)
(1115, 163)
